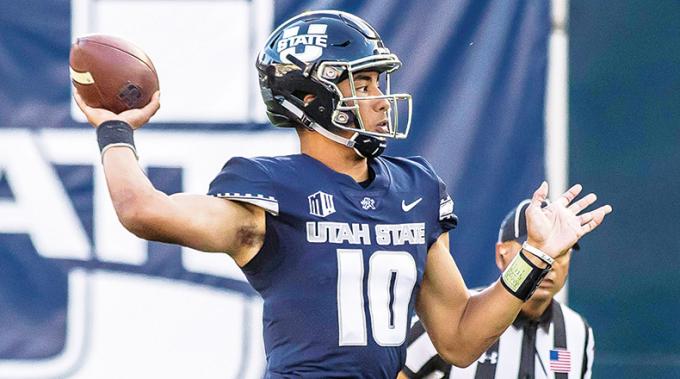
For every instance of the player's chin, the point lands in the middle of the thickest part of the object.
(542, 293)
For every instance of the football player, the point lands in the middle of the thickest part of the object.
(342, 243)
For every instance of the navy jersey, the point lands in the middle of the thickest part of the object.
(341, 264)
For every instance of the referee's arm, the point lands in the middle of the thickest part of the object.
(422, 359)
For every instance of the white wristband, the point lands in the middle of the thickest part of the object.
(119, 145)
(538, 253)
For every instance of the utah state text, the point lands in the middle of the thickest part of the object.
(360, 234)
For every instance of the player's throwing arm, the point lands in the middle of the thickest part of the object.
(202, 222)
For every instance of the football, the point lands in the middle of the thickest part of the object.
(112, 73)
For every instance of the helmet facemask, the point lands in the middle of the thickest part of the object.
(346, 115)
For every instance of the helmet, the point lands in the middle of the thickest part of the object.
(310, 54)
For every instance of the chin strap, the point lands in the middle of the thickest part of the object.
(368, 146)
(363, 145)
(332, 136)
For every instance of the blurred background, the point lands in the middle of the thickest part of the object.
(506, 94)
(624, 125)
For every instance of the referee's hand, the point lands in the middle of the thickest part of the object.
(135, 117)
(557, 227)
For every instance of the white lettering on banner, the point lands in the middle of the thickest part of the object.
(113, 243)
(40, 208)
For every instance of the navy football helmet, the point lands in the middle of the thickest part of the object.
(313, 52)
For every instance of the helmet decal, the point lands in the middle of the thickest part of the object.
(314, 42)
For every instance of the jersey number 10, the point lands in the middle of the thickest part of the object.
(391, 277)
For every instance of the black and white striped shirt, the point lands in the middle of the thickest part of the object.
(558, 346)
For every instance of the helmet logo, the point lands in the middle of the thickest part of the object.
(314, 42)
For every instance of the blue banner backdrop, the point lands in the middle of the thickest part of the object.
(476, 70)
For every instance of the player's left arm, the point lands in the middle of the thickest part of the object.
(462, 326)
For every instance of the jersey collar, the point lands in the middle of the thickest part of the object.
(543, 321)
(380, 182)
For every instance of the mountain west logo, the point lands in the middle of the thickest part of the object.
(321, 204)
(313, 42)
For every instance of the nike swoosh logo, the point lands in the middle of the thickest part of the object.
(407, 207)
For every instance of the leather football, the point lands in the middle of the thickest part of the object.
(112, 73)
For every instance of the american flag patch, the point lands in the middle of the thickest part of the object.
(560, 360)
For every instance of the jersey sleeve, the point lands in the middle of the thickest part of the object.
(446, 218)
(422, 360)
(248, 181)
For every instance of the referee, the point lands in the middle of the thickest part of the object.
(546, 340)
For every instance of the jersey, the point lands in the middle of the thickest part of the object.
(340, 264)
(560, 345)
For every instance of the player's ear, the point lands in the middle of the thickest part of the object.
(308, 99)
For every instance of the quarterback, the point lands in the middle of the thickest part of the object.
(343, 244)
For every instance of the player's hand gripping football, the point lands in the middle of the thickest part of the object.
(135, 117)
(558, 226)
